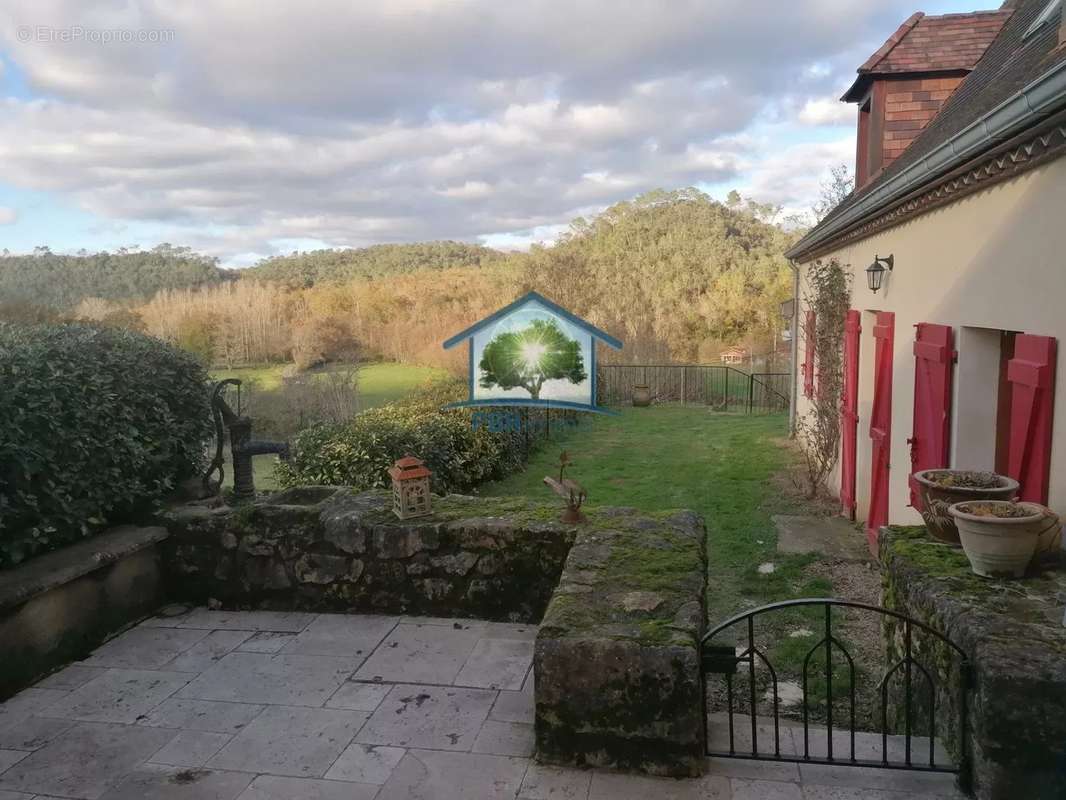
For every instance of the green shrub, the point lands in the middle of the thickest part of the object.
(359, 452)
(96, 425)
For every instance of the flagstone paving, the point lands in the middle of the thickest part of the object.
(221, 705)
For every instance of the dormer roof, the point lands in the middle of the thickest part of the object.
(929, 45)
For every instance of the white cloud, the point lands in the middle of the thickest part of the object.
(416, 119)
(826, 111)
(8, 216)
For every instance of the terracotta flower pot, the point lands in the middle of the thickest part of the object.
(641, 395)
(1000, 537)
(941, 488)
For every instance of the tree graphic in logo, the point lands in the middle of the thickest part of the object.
(528, 357)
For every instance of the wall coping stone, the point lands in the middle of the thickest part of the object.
(1012, 632)
(48, 571)
(617, 657)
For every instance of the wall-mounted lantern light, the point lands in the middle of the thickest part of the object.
(875, 273)
(788, 309)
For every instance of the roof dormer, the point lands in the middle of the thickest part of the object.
(905, 83)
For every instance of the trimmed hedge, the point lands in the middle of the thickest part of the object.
(359, 452)
(96, 426)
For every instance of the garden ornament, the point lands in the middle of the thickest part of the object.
(571, 491)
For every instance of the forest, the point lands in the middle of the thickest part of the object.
(676, 275)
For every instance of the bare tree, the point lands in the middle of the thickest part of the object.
(839, 184)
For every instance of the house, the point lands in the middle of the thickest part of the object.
(955, 240)
(733, 355)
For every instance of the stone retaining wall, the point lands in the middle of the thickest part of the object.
(617, 661)
(1013, 635)
(61, 605)
(331, 549)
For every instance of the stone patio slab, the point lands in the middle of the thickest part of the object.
(208, 651)
(266, 642)
(29, 733)
(118, 695)
(814, 792)
(366, 763)
(864, 778)
(420, 654)
(764, 790)
(9, 758)
(31, 701)
(359, 696)
(624, 786)
(277, 621)
(202, 715)
(497, 664)
(180, 784)
(293, 741)
(144, 648)
(433, 717)
(274, 680)
(85, 761)
(505, 739)
(342, 635)
(190, 749)
(545, 782)
(433, 775)
(270, 787)
(513, 707)
(69, 678)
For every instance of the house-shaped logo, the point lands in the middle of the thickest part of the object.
(533, 353)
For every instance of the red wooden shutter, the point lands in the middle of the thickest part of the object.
(849, 413)
(1031, 375)
(809, 333)
(933, 359)
(880, 427)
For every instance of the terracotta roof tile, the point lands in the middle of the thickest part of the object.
(945, 43)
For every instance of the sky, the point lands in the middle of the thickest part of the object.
(248, 128)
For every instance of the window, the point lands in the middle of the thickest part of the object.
(1050, 11)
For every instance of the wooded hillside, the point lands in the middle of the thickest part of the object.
(672, 274)
(300, 270)
(59, 282)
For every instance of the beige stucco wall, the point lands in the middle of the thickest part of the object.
(995, 259)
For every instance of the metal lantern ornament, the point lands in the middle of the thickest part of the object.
(875, 273)
(410, 488)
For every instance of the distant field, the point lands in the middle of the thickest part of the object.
(378, 384)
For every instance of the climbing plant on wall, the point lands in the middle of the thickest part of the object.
(828, 295)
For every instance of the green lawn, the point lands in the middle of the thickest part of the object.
(729, 468)
(720, 465)
(378, 383)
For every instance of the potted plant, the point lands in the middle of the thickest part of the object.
(938, 489)
(1000, 537)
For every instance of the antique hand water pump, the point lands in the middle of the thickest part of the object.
(242, 446)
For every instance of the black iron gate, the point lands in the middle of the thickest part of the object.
(819, 743)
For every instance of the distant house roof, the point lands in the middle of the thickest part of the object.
(946, 43)
(525, 299)
(734, 351)
(966, 129)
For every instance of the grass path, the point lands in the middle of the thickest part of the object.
(722, 466)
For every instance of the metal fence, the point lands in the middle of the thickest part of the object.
(719, 387)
